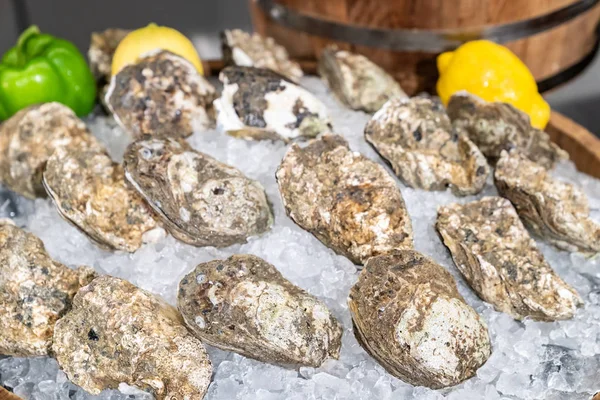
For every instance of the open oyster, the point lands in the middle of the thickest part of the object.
(409, 316)
(347, 201)
(260, 104)
(416, 137)
(161, 95)
(201, 200)
(244, 304)
(117, 333)
(30, 137)
(494, 127)
(35, 291)
(101, 51)
(252, 50)
(88, 190)
(492, 249)
(357, 81)
(554, 210)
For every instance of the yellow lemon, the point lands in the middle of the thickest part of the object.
(153, 37)
(494, 73)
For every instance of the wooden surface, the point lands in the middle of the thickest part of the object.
(546, 54)
(581, 144)
(6, 395)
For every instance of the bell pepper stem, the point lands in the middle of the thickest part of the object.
(27, 33)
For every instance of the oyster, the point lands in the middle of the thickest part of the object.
(409, 316)
(260, 104)
(117, 333)
(101, 51)
(252, 50)
(492, 249)
(35, 291)
(554, 210)
(347, 201)
(161, 95)
(201, 200)
(416, 137)
(494, 127)
(244, 304)
(356, 81)
(88, 190)
(30, 137)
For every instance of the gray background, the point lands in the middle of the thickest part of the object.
(203, 19)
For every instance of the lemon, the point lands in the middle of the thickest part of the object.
(494, 73)
(153, 37)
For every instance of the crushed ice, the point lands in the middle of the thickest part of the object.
(530, 360)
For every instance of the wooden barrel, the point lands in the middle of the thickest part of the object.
(555, 38)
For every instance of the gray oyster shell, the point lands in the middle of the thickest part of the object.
(554, 210)
(253, 50)
(259, 104)
(416, 137)
(356, 81)
(347, 201)
(30, 137)
(494, 127)
(409, 316)
(117, 333)
(161, 95)
(243, 304)
(35, 291)
(202, 201)
(102, 48)
(494, 252)
(89, 190)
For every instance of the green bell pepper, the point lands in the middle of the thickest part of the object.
(42, 68)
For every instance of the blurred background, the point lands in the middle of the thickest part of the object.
(202, 20)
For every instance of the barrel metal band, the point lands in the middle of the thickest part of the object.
(417, 39)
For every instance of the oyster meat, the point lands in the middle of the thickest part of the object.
(409, 316)
(252, 50)
(89, 190)
(554, 210)
(356, 81)
(494, 127)
(347, 201)
(492, 249)
(201, 200)
(243, 304)
(161, 95)
(258, 104)
(117, 333)
(30, 137)
(35, 291)
(101, 51)
(416, 137)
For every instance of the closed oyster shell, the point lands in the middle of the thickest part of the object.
(201, 200)
(35, 291)
(259, 104)
(356, 81)
(492, 249)
(30, 137)
(554, 210)
(89, 190)
(101, 51)
(117, 333)
(161, 95)
(243, 304)
(253, 50)
(416, 137)
(494, 127)
(409, 316)
(347, 201)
